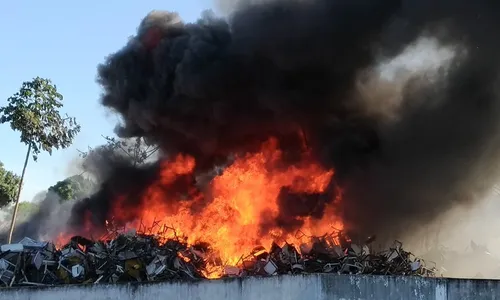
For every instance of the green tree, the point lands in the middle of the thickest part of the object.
(9, 183)
(72, 188)
(34, 112)
(28, 208)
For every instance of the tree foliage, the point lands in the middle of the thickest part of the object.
(136, 149)
(9, 183)
(72, 188)
(34, 112)
(28, 208)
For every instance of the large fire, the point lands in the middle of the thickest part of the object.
(243, 208)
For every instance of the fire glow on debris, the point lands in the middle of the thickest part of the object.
(243, 200)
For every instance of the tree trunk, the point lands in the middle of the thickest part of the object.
(14, 215)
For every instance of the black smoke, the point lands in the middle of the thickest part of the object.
(219, 87)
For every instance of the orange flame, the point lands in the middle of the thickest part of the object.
(243, 197)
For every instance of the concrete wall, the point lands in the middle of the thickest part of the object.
(307, 287)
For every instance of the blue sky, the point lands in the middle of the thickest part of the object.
(65, 41)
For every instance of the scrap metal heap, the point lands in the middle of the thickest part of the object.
(133, 256)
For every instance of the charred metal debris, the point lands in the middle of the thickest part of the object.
(143, 256)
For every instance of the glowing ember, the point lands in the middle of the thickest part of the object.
(243, 207)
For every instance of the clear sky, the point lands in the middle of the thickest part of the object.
(65, 41)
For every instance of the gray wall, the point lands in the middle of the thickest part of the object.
(307, 287)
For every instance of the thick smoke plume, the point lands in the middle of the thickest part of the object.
(300, 70)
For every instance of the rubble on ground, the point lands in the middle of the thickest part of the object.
(139, 257)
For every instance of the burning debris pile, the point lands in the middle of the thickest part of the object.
(132, 256)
